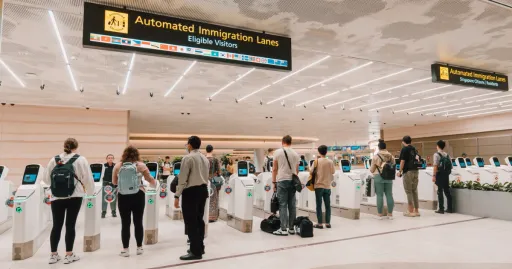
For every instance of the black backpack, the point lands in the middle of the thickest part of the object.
(388, 170)
(174, 184)
(274, 203)
(63, 178)
(414, 159)
(445, 164)
(304, 227)
(271, 224)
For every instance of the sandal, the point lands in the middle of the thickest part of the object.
(319, 226)
(409, 214)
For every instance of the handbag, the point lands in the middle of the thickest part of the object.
(274, 203)
(312, 177)
(217, 181)
(174, 184)
(295, 179)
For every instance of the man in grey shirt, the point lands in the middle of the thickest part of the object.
(192, 185)
(441, 177)
(286, 163)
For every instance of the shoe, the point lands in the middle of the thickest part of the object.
(125, 253)
(378, 217)
(140, 251)
(318, 226)
(280, 232)
(328, 226)
(440, 211)
(291, 231)
(390, 217)
(449, 211)
(190, 257)
(103, 214)
(114, 215)
(409, 214)
(54, 258)
(71, 259)
(190, 252)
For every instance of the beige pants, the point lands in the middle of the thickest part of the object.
(411, 187)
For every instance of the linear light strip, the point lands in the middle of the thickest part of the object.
(128, 74)
(281, 79)
(316, 99)
(231, 83)
(460, 113)
(414, 108)
(450, 110)
(180, 79)
(430, 90)
(481, 95)
(497, 103)
(492, 98)
(403, 103)
(62, 49)
(348, 100)
(483, 113)
(448, 93)
(403, 85)
(12, 73)
(377, 79)
(340, 75)
(387, 100)
(284, 96)
(430, 109)
(323, 81)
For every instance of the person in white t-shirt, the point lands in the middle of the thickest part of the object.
(286, 163)
(166, 169)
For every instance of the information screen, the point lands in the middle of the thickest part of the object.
(242, 172)
(454, 163)
(496, 161)
(96, 176)
(397, 163)
(469, 77)
(462, 162)
(480, 162)
(96, 169)
(128, 30)
(345, 166)
(468, 162)
(30, 175)
(176, 170)
(153, 168)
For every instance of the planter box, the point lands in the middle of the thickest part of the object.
(489, 204)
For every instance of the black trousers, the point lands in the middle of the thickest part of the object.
(193, 203)
(443, 188)
(128, 205)
(64, 209)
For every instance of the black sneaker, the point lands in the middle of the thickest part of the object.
(103, 214)
(449, 211)
(440, 211)
(114, 215)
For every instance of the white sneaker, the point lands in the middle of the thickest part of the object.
(140, 251)
(280, 233)
(125, 253)
(291, 231)
(71, 259)
(377, 217)
(54, 258)
(390, 217)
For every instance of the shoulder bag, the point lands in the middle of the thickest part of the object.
(312, 178)
(295, 179)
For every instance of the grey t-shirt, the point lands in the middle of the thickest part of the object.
(437, 158)
(283, 170)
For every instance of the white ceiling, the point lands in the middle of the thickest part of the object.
(395, 35)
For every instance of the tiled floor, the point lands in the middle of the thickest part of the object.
(431, 241)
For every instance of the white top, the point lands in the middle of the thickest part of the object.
(166, 172)
(82, 171)
(283, 170)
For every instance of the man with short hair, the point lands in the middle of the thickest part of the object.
(107, 181)
(410, 175)
(192, 184)
(286, 163)
(166, 168)
(442, 170)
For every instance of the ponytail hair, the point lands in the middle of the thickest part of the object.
(70, 144)
(382, 144)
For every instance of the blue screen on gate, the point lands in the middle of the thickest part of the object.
(153, 173)
(496, 162)
(454, 163)
(96, 176)
(480, 162)
(29, 178)
(242, 172)
(176, 172)
(301, 168)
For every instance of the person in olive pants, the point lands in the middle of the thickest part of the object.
(383, 186)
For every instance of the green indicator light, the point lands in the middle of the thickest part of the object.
(18, 209)
(89, 205)
(150, 201)
(249, 194)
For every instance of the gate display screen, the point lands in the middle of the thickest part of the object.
(30, 175)
(96, 170)
(468, 162)
(176, 169)
(243, 170)
(345, 166)
(454, 163)
(509, 161)
(480, 162)
(1, 170)
(128, 30)
(462, 162)
(153, 168)
(397, 163)
(496, 161)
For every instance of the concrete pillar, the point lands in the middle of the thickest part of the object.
(259, 159)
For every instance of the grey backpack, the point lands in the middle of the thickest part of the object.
(128, 182)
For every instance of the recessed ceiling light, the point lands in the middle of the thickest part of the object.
(429, 90)
(481, 95)
(448, 93)
(403, 85)
(492, 98)
(430, 109)
(180, 78)
(22, 84)
(374, 103)
(239, 77)
(498, 103)
(62, 49)
(128, 74)
(465, 112)
(397, 104)
(377, 79)
(348, 100)
(414, 108)
(316, 99)
(484, 113)
(450, 110)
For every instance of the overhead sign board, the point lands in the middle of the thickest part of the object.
(469, 77)
(122, 29)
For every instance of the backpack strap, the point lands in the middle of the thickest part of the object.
(380, 173)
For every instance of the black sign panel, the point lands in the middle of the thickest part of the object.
(122, 29)
(469, 77)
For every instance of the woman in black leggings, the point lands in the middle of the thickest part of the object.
(132, 204)
(65, 209)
